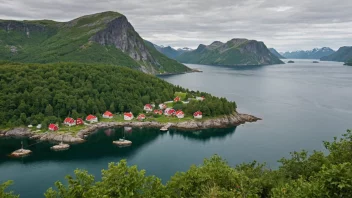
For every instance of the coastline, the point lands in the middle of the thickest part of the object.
(221, 122)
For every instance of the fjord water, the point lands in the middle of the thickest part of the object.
(301, 104)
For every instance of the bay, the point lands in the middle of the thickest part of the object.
(301, 104)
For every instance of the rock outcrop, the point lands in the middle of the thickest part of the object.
(221, 122)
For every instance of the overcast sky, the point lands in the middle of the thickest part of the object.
(282, 24)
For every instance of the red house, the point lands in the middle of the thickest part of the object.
(69, 121)
(177, 99)
(91, 118)
(198, 115)
(141, 117)
(158, 111)
(108, 114)
(79, 121)
(169, 112)
(53, 127)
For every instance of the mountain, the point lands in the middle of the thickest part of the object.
(171, 52)
(168, 51)
(316, 53)
(105, 37)
(277, 54)
(343, 54)
(233, 52)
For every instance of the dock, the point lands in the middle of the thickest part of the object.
(166, 127)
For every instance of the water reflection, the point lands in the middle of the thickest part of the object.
(99, 144)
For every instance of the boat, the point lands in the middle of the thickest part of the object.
(60, 147)
(315, 62)
(164, 129)
(122, 142)
(21, 153)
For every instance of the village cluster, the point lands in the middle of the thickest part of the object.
(148, 108)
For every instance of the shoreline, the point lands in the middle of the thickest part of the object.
(221, 122)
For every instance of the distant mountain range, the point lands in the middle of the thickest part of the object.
(316, 53)
(343, 54)
(233, 52)
(277, 54)
(104, 38)
(171, 52)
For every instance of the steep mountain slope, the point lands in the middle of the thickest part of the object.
(277, 54)
(105, 37)
(233, 52)
(316, 53)
(343, 54)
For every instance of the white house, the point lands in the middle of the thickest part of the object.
(180, 114)
(148, 108)
(128, 116)
(198, 115)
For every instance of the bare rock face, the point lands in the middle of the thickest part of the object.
(18, 132)
(121, 34)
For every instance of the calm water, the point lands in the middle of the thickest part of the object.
(302, 104)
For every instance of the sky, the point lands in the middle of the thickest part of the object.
(286, 25)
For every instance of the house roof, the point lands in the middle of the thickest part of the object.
(108, 113)
(148, 106)
(128, 114)
(53, 126)
(179, 112)
(141, 116)
(69, 120)
(197, 113)
(91, 117)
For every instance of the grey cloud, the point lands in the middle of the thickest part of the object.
(283, 24)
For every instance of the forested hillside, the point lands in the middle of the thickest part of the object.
(102, 38)
(44, 93)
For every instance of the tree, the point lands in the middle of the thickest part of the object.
(3, 188)
(49, 111)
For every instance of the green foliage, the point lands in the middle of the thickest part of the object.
(37, 93)
(301, 176)
(3, 188)
(118, 180)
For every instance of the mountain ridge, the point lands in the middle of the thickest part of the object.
(105, 37)
(343, 54)
(315, 53)
(237, 51)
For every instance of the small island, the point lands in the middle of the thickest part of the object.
(291, 61)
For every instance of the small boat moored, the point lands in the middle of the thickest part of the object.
(21, 153)
(122, 142)
(60, 147)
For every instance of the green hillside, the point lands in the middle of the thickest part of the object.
(44, 93)
(233, 52)
(97, 38)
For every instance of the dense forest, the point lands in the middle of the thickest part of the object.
(314, 176)
(46, 93)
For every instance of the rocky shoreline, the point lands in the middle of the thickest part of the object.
(222, 122)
